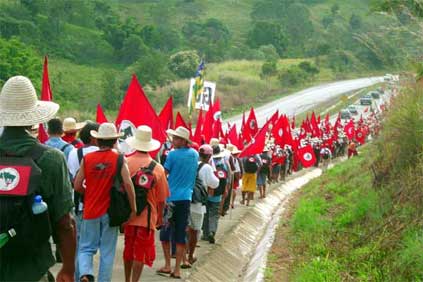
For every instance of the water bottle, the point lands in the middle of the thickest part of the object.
(39, 206)
(4, 237)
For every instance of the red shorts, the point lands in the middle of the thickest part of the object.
(139, 245)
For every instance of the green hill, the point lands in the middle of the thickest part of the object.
(249, 46)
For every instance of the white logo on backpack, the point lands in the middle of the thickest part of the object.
(9, 178)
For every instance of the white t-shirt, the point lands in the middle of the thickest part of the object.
(206, 174)
(73, 162)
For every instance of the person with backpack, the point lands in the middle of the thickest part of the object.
(251, 165)
(27, 256)
(263, 172)
(74, 162)
(325, 155)
(181, 166)
(151, 191)
(211, 218)
(198, 204)
(99, 169)
(55, 132)
(70, 131)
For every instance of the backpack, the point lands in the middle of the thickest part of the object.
(19, 184)
(78, 198)
(63, 148)
(265, 159)
(166, 149)
(325, 154)
(143, 181)
(199, 193)
(250, 165)
(221, 173)
(119, 209)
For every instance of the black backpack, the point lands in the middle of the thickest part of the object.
(222, 174)
(250, 164)
(199, 193)
(143, 181)
(265, 159)
(19, 184)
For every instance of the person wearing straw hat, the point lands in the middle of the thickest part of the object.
(98, 170)
(140, 230)
(70, 130)
(19, 110)
(181, 166)
(237, 172)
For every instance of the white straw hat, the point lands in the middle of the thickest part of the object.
(233, 149)
(142, 141)
(19, 105)
(214, 141)
(181, 132)
(106, 131)
(70, 125)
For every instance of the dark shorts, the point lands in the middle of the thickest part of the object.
(176, 230)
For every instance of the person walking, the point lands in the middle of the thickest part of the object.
(181, 166)
(98, 169)
(19, 110)
(55, 132)
(148, 177)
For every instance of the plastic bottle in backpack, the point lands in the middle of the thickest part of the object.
(4, 237)
(39, 206)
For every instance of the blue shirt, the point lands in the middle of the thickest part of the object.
(182, 167)
(58, 143)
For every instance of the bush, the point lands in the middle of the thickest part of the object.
(184, 63)
(268, 69)
(292, 76)
(309, 68)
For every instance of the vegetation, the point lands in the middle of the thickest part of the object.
(163, 42)
(362, 221)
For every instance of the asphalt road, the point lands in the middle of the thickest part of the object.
(304, 100)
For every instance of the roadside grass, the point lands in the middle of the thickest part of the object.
(363, 219)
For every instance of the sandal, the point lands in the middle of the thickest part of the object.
(161, 271)
(172, 275)
(185, 265)
(192, 261)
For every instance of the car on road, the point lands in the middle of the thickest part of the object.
(345, 114)
(366, 100)
(352, 109)
(375, 94)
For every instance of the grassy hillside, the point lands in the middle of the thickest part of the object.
(362, 220)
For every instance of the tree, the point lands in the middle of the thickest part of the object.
(334, 9)
(184, 63)
(355, 22)
(269, 68)
(269, 51)
(16, 58)
(327, 21)
(265, 33)
(133, 48)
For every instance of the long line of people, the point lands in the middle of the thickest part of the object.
(87, 158)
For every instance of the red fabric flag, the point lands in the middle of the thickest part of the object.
(166, 114)
(314, 126)
(243, 122)
(282, 132)
(293, 122)
(233, 136)
(217, 129)
(130, 110)
(46, 95)
(306, 156)
(198, 128)
(366, 109)
(251, 127)
(208, 125)
(349, 130)
(360, 136)
(180, 121)
(274, 118)
(257, 143)
(100, 116)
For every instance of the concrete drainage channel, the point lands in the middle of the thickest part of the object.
(242, 254)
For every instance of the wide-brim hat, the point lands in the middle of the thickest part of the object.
(142, 140)
(233, 149)
(19, 105)
(106, 131)
(70, 125)
(181, 132)
(218, 152)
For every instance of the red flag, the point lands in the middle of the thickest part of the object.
(100, 117)
(306, 156)
(366, 109)
(293, 122)
(198, 128)
(251, 127)
(314, 125)
(243, 122)
(208, 125)
(274, 118)
(180, 121)
(233, 136)
(349, 130)
(257, 143)
(360, 136)
(130, 110)
(46, 95)
(166, 114)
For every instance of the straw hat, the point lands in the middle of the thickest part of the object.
(233, 149)
(106, 131)
(70, 125)
(142, 141)
(217, 152)
(19, 105)
(181, 132)
(214, 141)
